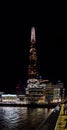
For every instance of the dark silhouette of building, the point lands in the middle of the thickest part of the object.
(20, 88)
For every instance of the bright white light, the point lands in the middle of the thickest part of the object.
(9, 95)
(33, 34)
(60, 100)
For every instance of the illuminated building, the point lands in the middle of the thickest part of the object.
(9, 98)
(33, 91)
(32, 68)
(39, 90)
(54, 92)
(1, 96)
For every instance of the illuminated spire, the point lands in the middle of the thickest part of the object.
(32, 68)
(33, 35)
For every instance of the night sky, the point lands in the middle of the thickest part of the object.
(49, 20)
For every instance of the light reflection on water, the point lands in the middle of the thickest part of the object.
(22, 118)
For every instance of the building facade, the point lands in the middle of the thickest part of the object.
(39, 90)
(34, 92)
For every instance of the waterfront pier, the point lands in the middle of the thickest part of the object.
(62, 120)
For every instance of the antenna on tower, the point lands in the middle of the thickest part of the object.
(33, 39)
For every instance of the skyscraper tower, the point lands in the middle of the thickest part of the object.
(32, 68)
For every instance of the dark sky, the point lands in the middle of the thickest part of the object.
(50, 22)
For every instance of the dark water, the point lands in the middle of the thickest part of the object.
(22, 118)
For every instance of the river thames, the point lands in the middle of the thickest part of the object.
(22, 118)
